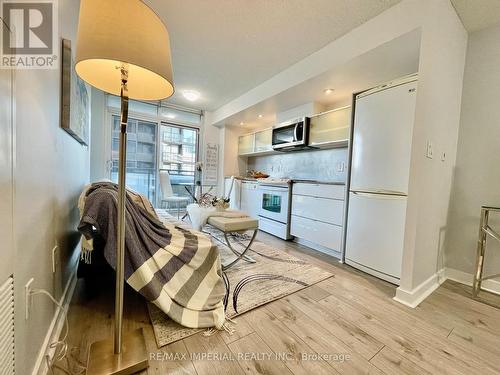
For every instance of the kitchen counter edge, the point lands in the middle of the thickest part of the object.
(305, 181)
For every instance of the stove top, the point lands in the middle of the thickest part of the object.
(274, 181)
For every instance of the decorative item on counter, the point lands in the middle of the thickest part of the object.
(220, 203)
(257, 174)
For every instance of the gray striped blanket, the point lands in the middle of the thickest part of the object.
(177, 269)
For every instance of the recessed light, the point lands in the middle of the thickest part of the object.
(260, 116)
(328, 91)
(191, 95)
(242, 123)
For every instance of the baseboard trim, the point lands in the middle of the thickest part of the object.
(414, 297)
(461, 277)
(55, 327)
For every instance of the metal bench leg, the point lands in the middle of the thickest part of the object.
(481, 245)
(239, 255)
(245, 257)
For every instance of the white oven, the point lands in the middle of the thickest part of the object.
(274, 209)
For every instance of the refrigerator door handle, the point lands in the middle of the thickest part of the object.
(379, 191)
(379, 195)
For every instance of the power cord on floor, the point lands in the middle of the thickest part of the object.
(60, 346)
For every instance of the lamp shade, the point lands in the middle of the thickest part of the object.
(114, 32)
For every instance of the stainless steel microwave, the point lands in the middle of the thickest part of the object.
(291, 135)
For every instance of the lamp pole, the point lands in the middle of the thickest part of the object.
(122, 172)
(109, 357)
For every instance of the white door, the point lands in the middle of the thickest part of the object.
(6, 168)
(375, 234)
(383, 127)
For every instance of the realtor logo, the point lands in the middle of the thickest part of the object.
(29, 34)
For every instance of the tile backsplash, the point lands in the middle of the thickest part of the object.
(322, 165)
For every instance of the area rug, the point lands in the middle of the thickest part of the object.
(248, 285)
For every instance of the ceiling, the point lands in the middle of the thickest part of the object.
(223, 48)
(477, 14)
(394, 59)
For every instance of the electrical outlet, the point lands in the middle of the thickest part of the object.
(28, 298)
(429, 153)
(54, 258)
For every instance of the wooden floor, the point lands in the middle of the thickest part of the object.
(347, 324)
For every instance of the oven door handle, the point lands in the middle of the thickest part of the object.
(295, 134)
(274, 190)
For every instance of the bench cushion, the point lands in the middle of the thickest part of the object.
(233, 224)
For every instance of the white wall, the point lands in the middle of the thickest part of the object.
(50, 170)
(99, 136)
(477, 174)
(307, 109)
(233, 164)
(211, 134)
(442, 59)
(227, 139)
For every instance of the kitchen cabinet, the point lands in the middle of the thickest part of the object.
(312, 189)
(331, 128)
(318, 216)
(250, 198)
(321, 209)
(323, 234)
(246, 144)
(263, 140)
(258, 143)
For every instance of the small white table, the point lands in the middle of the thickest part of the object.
(199, 215)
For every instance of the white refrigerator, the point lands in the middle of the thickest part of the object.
(380, 168)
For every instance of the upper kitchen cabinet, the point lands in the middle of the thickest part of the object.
(330, 129)
(246, 144)
(258, 143)
(263, 140)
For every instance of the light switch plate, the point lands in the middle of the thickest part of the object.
(429, 153)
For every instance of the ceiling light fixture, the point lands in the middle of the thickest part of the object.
(260, 116)
(242, 123)
(191, 95)
(328, 91)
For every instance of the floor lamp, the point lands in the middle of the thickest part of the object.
(123, 49)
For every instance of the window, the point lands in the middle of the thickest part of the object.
(179, 146)
(160, 137)
(141, 155)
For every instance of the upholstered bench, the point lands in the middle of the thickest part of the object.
(231, 225)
